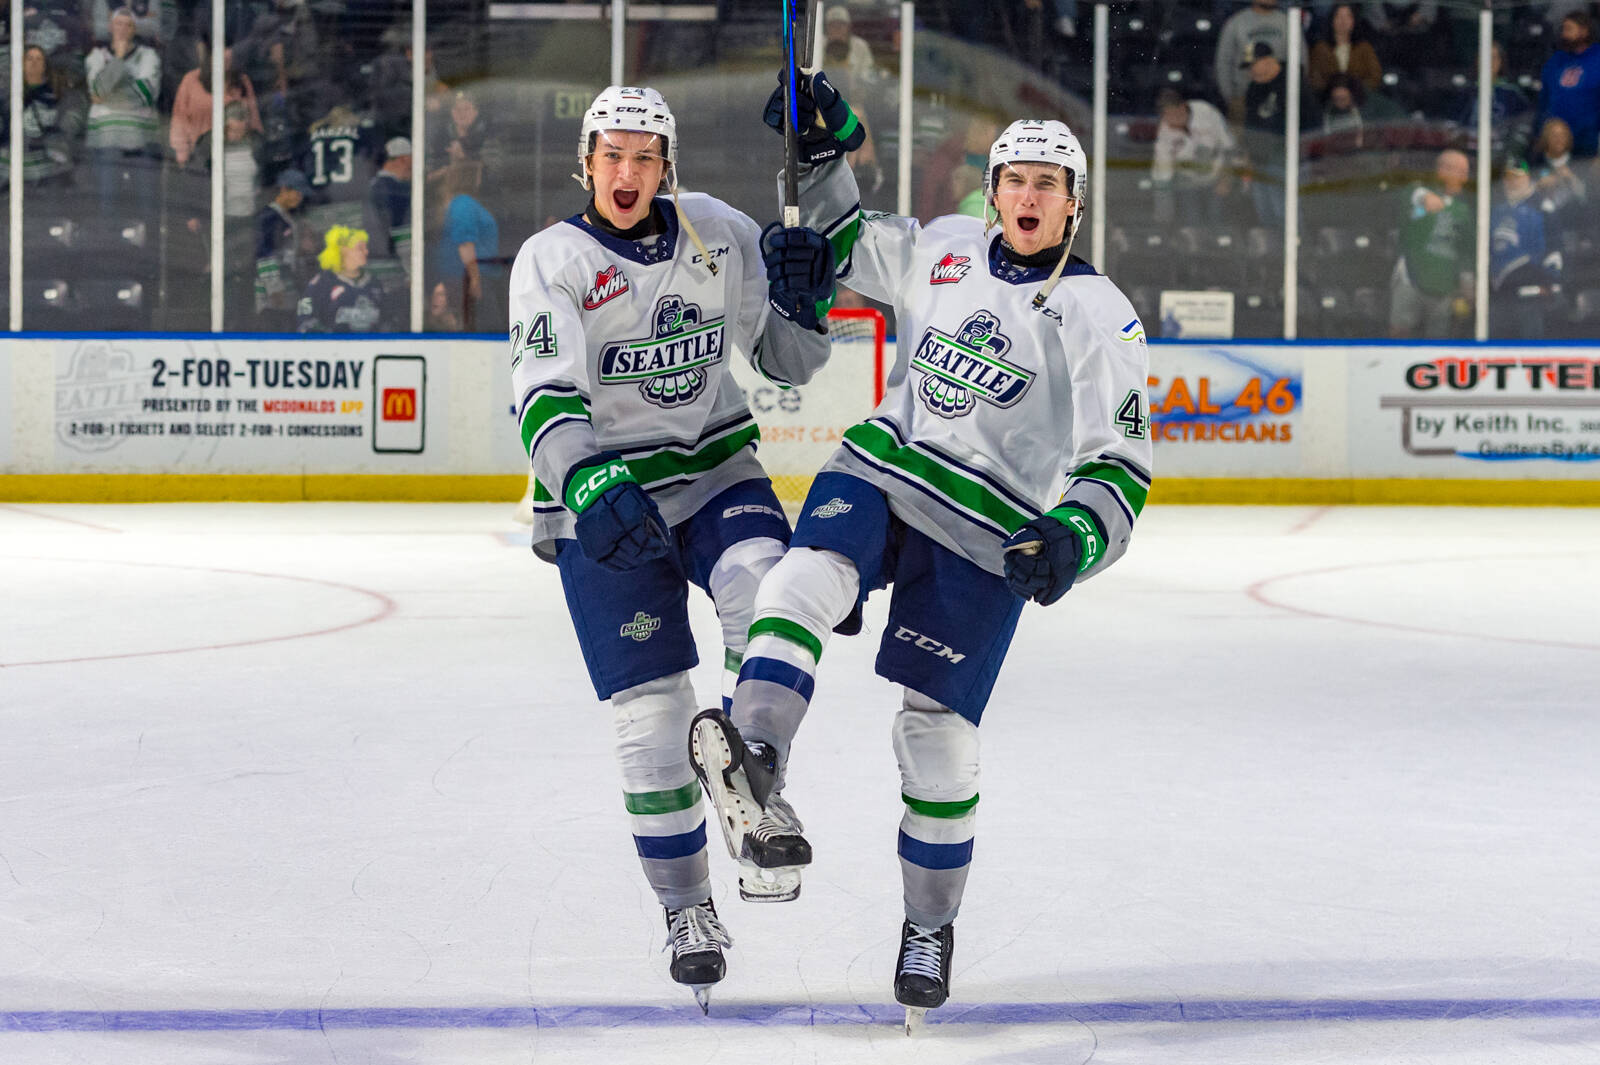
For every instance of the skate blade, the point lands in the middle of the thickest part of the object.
(711, 755)
(914, 1019)
(768, 885)
(702, 997)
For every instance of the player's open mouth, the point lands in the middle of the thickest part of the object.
(1027, 223)
(625, 198)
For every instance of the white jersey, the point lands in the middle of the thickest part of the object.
(995, 411)
(625, 345)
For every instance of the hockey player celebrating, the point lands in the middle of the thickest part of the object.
(1008, 460)
(624, 321)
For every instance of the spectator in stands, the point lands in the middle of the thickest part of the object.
(278, 241)
(391, 84)
(937, 191)
(1563, 193)
(387, 212)
(52, 126)
(468, 234)
(464, 136)
(1341, 114)
(1344, 50)
(1508, 104)
(124, 81)
(191, 110)
(241, 168)
(1571, 85)
(858, 59)
(343, 297)
(1522, 273)
(1266, 110)
(1260, 23)
(1408, 32)
(441, 316)
(1437, 251)
(58, 27)
(154, 21)
(281, 53)
(1190, 170)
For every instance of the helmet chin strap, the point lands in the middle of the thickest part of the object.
(1066, 250)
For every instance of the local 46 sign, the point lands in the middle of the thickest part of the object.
(399, 403)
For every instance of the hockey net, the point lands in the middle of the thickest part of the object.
(802, 426)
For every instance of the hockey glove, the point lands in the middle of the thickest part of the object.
(617, 524)
(1044, 573)
(814, 94)
(800, 273)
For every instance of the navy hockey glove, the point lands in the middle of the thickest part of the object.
(814, 95)
(800, 273)
(1043, 558)
(617, 523)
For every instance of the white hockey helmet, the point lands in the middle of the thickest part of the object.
(1031, 140)
(623, 107)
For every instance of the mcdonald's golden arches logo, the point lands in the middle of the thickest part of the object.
(399, 404)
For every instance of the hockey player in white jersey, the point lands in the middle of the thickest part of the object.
(625, 319)
(1009, 459)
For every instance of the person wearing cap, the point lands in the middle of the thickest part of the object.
(278, 267)
(1266, 110)
(838, 35)
(387, 211)
(1263, 22)
(1008, 461)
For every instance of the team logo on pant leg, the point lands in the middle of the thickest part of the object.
(950, 269)
(608, 285)
(960, 370)
(669, 366)
(640, 628)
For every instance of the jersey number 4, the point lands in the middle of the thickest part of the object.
(1132, 417)
(538, 337)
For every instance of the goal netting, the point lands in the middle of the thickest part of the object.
(802, 426)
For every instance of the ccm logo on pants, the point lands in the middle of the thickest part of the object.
(928, 643)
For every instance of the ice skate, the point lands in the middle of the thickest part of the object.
(922, 973)
(696, 938)
(760, 828)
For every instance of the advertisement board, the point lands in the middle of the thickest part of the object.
(1227, 411)
(1503, 413)
(217, 406)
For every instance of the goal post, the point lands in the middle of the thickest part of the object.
(803, 425)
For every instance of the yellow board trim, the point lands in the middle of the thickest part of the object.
(494, 488)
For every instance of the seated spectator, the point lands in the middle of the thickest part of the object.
(343, 297)
(1345, 50)
(1523, 274)
(124, 81)
(278, 242)
(1507, 102)
(52, 123)
(1570, 85)
(441, 316)
(191, 110)
(464, 136)
(1190, 169)
(58, 26)
(1341, 114)
(468, 234)
(1437, 250)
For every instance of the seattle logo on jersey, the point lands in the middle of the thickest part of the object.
(608, 285)
(950, 269)
(669, 365)
(962, 369)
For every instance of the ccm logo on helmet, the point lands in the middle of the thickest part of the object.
(1033, 140)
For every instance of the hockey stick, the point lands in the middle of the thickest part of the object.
(791, 121)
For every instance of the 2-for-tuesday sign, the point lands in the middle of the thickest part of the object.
(1507, 412)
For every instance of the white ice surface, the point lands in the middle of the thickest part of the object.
(327, 783)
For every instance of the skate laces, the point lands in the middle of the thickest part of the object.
(777, 819)
(694, 929)
(924, 952)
